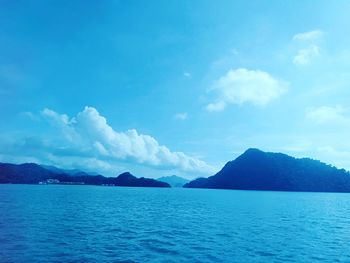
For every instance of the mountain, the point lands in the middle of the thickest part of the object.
(258, 170)
(31, 173)
(72, 172)
(27, 173)
(127, 179)
(173, 180)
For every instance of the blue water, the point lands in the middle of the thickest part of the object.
(54, 223)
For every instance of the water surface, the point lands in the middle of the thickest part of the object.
(56, 223)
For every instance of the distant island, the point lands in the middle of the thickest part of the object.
(258, 170)
(31, 173)
(174, 181)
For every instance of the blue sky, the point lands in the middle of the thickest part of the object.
(172, 87)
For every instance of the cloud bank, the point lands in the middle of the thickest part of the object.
(239, 86)
(89, 134)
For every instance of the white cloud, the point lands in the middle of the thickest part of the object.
(306, 55)
(326, 114)
(309, 46)
(187, 74)
(216, 106)
(181, 116)
(88, 134)
(62, 122)
(309, 36)
(60, 119)
(241, 85)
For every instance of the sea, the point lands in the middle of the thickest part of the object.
(74, 223)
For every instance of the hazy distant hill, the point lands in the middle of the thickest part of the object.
(72, 172)
(127, 179)
(258, 170)
(173, 180)
(31, 173)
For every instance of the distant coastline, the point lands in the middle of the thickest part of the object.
(31, 173)
(253, 170)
